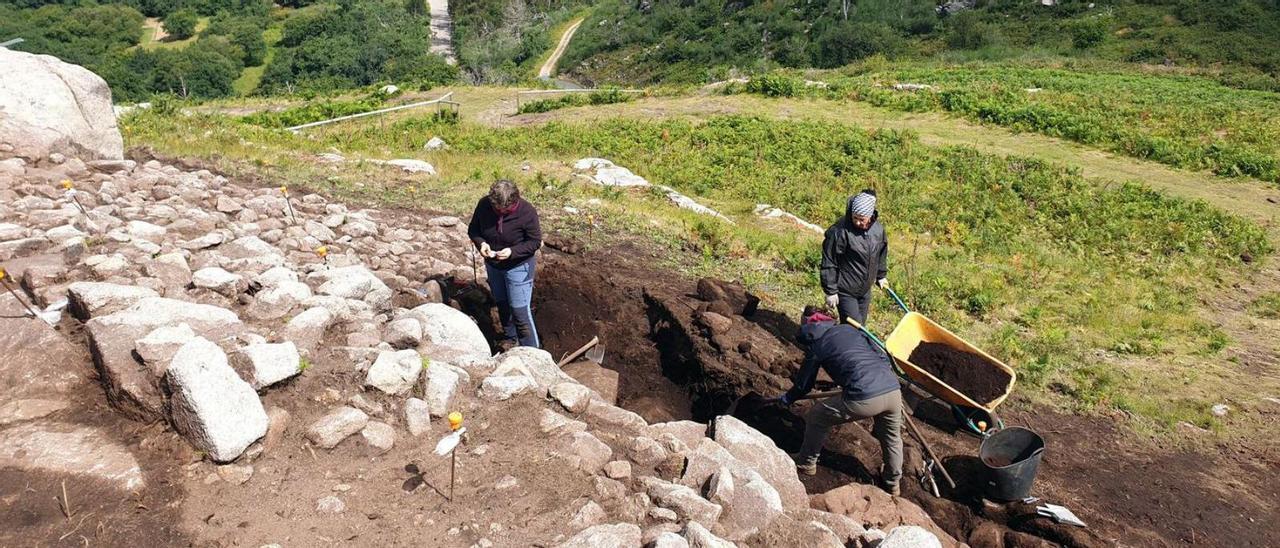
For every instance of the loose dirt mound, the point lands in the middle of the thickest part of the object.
(969, 373)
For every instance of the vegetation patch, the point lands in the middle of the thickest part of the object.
(1266, 306)
(601, 97)
(1061, 277)
(1182, 121)
(312, 112)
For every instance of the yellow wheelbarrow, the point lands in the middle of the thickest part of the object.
(912, 330)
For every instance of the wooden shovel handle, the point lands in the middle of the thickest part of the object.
(569, 359)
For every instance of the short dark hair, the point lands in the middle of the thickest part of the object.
(503, 193)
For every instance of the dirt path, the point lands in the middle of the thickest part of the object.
(549, 67)
(442, 30)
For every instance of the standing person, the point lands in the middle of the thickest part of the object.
(855, 251)
(504, 228)
(870, 389)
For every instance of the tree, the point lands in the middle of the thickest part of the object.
(181, 24)
(416, 7)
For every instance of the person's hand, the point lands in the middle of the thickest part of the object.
(833, 301)
(485, 250)
(503, 254)
(783, 400)
(883, 283)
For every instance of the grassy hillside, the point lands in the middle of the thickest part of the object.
(708, 40)
(1183, 121)
(1065, 279)
(502, 41)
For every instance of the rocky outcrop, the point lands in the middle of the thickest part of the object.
(48, 107)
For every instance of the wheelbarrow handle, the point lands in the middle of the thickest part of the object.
(897, 299)
(873, 336)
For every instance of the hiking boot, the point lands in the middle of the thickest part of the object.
(893, 490)
(807, 469)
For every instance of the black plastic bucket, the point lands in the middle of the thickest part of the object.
(1012, 458)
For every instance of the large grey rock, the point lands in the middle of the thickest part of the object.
(219, 281)
(442, 385)
(601, 413)
(307, 328)
(51, 106)
(352, 282)
(417, 416)
(759, 452)
(130, 385)
(555, 424)
(25, 410)
(531, 362)
(910, 536)
(585, 451)
(689, 432)
(379, 435)
(403, 333)
(277, 301)
(685, 501)
(450, 329)
(265, 364)
(572, 396)
(70, 450)
(505, 388)
(590, 514)
(700, 537)
(170, 268)
(670, 540)
(159, 346)
(618, 535)
(91, 299)
(753, 506)
(210, 405)
(336, 425)
(394, 372)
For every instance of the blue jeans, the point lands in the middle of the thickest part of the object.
(513, 291)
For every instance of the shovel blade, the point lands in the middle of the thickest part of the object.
(596, 354)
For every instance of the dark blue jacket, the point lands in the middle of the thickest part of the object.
(849, 356)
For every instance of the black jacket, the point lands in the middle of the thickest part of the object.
(520, 232)
(849, 356)
(852, 259)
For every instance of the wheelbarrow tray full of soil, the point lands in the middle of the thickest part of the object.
(949, 367)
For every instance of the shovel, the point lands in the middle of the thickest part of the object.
(593, 349)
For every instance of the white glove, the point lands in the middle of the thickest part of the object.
(833, 301)
(883, 283)
(485, 250)
(503, 254)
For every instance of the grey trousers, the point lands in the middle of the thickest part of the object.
(887, 411)
(855, 307)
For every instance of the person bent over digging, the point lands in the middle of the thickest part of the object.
(854, 252)
(870, 389)
(504, 228)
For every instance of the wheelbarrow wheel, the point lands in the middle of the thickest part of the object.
(969, 419)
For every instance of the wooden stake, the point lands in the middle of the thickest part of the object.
(928, 450)
(8, 287)
(453, 466)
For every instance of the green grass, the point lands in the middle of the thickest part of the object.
(149, 35)
(251, 76)
(1183, 121)
(1089, 291)
(1266, 306)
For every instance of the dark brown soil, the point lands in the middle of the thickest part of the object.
(970, 374)
(1087, 467)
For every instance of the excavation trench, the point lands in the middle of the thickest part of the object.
(679, 349)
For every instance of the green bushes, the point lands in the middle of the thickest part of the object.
(181, 24)
(355, 44)
(498, 41)
(775, 85)
(312, 112)
(601, 97)
(1187, 122)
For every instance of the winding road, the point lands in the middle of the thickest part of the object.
(549, 67)
(442, 30)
